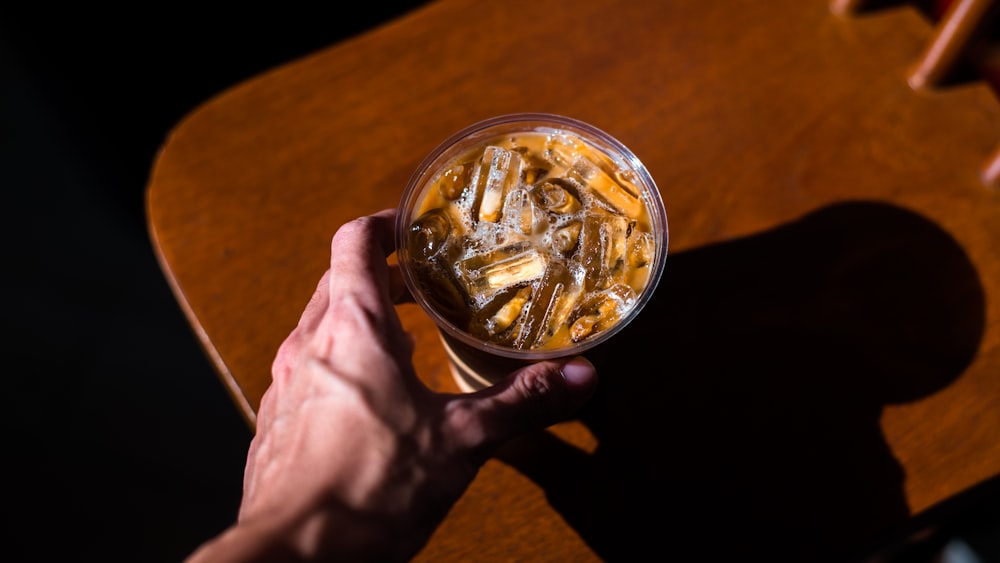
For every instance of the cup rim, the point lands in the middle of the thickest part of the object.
(594, 136)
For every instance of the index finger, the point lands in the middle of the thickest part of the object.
(358, 255)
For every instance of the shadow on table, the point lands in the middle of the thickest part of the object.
(748, 427)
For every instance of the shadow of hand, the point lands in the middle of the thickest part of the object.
(753, 428)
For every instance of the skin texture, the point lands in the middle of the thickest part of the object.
(354, 459)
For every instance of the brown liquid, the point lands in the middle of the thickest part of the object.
(533, 241)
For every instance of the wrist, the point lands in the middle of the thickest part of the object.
(333, 533)
(248, 542)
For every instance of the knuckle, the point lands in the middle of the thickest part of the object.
(534, 383)
(539, 387)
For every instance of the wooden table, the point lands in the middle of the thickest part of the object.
(825, 343)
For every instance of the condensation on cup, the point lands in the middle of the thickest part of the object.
(528, 237)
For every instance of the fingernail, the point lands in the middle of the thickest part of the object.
(579, 373)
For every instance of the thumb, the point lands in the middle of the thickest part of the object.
(532, 398)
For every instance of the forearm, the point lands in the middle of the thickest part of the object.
(247, 543)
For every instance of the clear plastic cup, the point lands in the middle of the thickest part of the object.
(528, 237)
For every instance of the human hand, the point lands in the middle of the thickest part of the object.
(354, 458)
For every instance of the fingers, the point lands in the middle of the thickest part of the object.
(358, 273)
(532, 398)
(373, 239)
(358, 255)
(317, 305)
(356, 250)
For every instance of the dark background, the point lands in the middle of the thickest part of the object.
(126, 445)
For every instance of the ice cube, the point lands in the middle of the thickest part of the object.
(554, 314)
(482, 259)
(596, 172)
(600, 311)
(444, 290)
(534, 167)
(493, 271)
(520, 214)
(495, 317)
(604, 248)
(551, 305)
(566, 238)
(429, 234)
(500, 171)
(455, 179)
(641, 250)
(508, 312)
(532, 174)
(557, 195)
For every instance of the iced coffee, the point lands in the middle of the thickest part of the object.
(533, 238)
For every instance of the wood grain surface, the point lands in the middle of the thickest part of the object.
(821, 363)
